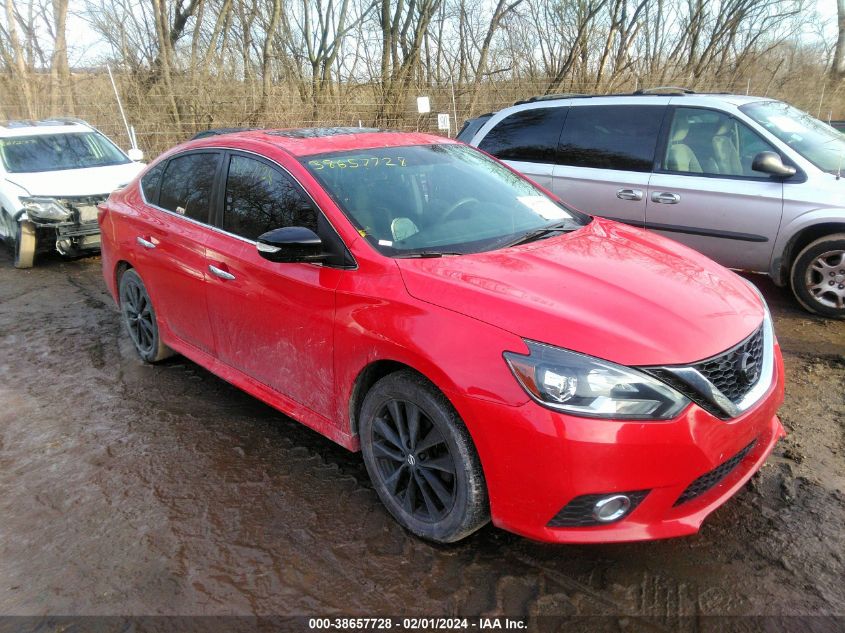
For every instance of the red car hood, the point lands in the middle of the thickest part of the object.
(608, 290)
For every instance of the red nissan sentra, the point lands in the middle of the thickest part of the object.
(492, 352)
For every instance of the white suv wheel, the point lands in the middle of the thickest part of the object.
(24, 246)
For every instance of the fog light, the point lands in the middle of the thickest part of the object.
(611, 508)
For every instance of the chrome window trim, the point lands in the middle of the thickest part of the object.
(217, 229)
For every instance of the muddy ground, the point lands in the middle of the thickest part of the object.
(132, 489)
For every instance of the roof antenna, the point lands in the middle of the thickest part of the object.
(129, 133)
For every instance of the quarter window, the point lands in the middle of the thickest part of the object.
(260, 198)
(150, 182)
(711, 143)
(620, 137)
(529, 136)
(188, 183)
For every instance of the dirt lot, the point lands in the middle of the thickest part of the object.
(132, 489)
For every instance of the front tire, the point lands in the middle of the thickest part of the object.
(24, 245)
(421, 459)
(139, 317)
(818, 276)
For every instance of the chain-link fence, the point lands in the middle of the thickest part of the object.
(161, 120)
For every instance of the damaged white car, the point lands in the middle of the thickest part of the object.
(53, 174)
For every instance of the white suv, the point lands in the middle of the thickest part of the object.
(52, 176)
(753, 183)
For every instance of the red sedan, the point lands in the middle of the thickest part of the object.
(492, 352)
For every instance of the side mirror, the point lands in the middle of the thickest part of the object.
(135, 154)
(291, 244)
(770, 163)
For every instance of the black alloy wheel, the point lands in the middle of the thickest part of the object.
(414, 461)
(421, 459)
(140, 319)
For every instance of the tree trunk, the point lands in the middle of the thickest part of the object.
(837, 70)
(61, 95)
(267, 55)
(19, 66)
(163, 61)
(499, 13)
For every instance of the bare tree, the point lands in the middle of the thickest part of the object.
(837, 69)
(402, 35)
(502, 9)
(15, 59)
(61, 92)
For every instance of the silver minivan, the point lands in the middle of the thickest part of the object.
(753, 183)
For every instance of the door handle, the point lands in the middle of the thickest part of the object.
(664, 197)
(144, 243)
(629, 194)
(220, 273)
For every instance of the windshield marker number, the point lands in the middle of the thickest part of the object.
(355, 163)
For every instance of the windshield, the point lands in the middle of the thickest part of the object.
(53, 152)
(818, 142)
(432, 199)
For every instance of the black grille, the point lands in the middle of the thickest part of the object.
(579, 511)
(725, 371)
(711, 479)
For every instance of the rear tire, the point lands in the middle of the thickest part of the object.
(24, 245)
(818, 276)
(421, 459)
(139, 317)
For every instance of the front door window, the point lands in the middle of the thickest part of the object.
(707, 142)
(260, 198)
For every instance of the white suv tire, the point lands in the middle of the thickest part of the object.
(24, 245)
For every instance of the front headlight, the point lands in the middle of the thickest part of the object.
(590, 387)
(46, 209)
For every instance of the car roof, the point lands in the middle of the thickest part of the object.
(10, 129)
(309, 141)
(678, 97)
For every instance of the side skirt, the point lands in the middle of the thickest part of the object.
(259, 390)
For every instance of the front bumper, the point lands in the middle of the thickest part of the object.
(536, 461)
(79, 233)
(67, 238)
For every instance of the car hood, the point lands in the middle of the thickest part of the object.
(75, 182)
(608, 290)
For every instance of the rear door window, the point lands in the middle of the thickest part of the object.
(187, 186)
(621, 137)
(530, 136)
(150, 182)
(260, 198)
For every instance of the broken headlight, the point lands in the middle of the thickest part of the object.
(46, 209)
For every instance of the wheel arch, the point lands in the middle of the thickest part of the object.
(369, 376)
(797, 243)
(120, 267)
